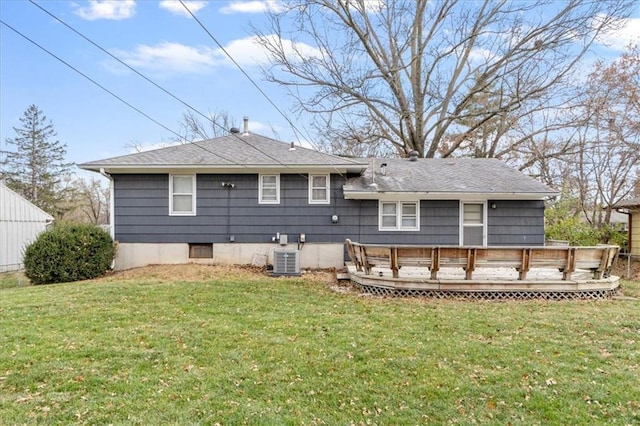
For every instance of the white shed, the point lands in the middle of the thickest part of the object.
(20, 224)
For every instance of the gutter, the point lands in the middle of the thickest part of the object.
(112, 227)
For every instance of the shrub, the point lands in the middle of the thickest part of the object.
(69, 253)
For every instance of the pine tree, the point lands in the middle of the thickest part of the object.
(35, 168)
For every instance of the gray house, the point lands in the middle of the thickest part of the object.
(242, 197)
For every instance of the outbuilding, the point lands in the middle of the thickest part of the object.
(20, 224)
(631, 207)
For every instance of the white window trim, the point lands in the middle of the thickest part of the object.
(398, 226)
(327, 187)
(484, 221)
(193, 196)
(277, 200)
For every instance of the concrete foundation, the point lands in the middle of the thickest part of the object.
(312, 256)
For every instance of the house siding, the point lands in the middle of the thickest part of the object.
(515, 223)
(141, 209)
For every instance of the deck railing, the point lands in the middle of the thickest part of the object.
(598, 259)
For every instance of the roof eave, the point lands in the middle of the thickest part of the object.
(383, 195)
(231, 168)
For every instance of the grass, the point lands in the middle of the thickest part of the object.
(235, 347)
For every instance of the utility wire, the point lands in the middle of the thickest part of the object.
(213, 122)
(116, 96)
(90, 79)
(123, 63)
(151, 82)
(293, 126)
(207, 118)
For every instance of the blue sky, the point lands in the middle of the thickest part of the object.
(156, 38)
(161, 41)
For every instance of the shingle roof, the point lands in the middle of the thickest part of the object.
(631, 203)
(439, 176)
(231, 151)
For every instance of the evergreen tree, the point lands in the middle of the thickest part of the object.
(36, 167)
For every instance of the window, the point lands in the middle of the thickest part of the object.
(200, 251)
(182, 195)
(399, 216)
(269, 189)
(473, 229)
(319, 189)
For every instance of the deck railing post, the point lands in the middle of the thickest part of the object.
(471, 263)
(525, 265)
(393, 261)
(571, 264)
(435, 262)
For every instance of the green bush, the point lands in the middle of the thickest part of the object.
(69, 253)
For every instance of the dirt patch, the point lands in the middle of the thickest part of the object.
(200, 273)
(621, 267)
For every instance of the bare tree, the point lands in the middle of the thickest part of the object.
(608, 162)
(406, 72)
(89, 202)
(196, 128)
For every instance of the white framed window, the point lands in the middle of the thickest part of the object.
(269, 189)
(473, 229)
(399, 215)
(182, 195)
(319, 189)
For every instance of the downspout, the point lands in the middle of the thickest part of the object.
(112, 225)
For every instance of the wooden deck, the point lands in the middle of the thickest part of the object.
(484, 272)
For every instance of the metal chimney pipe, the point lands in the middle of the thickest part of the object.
(245, 130)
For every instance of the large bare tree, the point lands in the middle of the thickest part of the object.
(407, 73)
(608, 162)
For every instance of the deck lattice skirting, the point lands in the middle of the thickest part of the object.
(556, 272)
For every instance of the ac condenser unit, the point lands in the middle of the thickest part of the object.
(286, 262)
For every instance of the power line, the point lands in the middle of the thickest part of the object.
(159, 87)
(144, 77)
(90, 79)
(116, 96)
(262, 92)
(293, 126)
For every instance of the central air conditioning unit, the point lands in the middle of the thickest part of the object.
(286, 262)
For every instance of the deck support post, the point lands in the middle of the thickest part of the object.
(526, 264)
(471, 263)
(571, 264)
(393, 261)
(435, 262)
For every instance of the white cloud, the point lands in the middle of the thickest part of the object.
(169, 58)
(107, 9)
(247, 51)
(175, 7)
(628, 33)
(252, 6)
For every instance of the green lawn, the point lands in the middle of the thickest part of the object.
(244, 348)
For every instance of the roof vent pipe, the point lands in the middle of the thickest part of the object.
(245, 130)
(413, 155)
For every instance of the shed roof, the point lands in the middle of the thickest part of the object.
(235, 151)
(631, 203)
(483, 177)
(15, 208)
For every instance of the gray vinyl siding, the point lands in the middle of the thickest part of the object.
(141, 208)
(516, 223)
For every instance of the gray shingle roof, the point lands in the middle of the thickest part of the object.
(439, 176)
(631, 203)
(234, 150)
